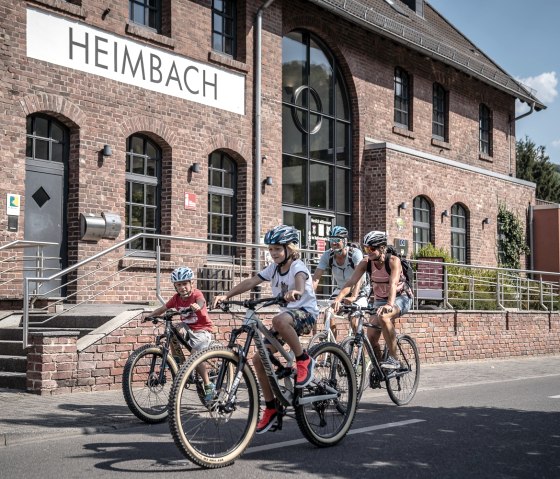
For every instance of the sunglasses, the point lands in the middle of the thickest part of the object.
(335, 240)
(369, 249)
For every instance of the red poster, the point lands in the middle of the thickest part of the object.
(321, 245)
(190, 201)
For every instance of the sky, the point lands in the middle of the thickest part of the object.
(523, 38)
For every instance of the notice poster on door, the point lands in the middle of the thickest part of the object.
(12, 204)
(320, 229)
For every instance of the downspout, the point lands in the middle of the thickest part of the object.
(258, 134)
(523, 115)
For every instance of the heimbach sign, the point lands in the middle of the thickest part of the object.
(74, 45)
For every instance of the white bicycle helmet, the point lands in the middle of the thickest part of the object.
(182, 274)
(375, 238)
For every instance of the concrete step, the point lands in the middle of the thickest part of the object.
(14, 364)
(12, 348)
(69, 322)
(16, 334)
(13, 380)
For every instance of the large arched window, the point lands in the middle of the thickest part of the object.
(143, 186)
(459, 233)
(421, 223)
(316, 138)
(222, 181)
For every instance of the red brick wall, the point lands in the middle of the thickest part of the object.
(55, 366)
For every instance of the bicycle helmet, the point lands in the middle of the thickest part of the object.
(182, 274)
(282, 235)
(338, 232)
(375, 238)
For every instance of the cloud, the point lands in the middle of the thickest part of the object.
(555, 143)
(545, 84)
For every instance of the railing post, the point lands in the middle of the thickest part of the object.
(158, 271)
(446, 288)
(25, 311)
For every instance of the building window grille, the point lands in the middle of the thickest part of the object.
(143, 189)
(421, 223)
(459, 233)
(224, 26)
(146, 12)
(222, 181)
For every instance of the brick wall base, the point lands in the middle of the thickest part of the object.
(56, 366)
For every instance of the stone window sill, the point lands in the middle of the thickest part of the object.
(485, 157)
(398, 130)
(441, 144)
(63, 6)
(147, 34)
(227, 61)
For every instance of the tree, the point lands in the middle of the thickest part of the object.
(533, 164)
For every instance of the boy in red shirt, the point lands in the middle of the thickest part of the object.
(195, 326)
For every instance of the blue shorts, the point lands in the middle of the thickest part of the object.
(403, 302)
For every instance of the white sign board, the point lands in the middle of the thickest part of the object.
(75, 45)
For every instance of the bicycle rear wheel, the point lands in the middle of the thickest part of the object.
(215, 433)
(360, 364)
(145, 392)
(403, 383)
(325, 422)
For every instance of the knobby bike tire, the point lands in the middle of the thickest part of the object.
(318, 339)
(146, 396)
(361, 365)
(402, 384)
(325, 422)
(206, 433)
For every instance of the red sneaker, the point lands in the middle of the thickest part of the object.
(304, 372)
(267, 420)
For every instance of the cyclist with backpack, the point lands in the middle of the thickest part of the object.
(391, 291)
(342, 258)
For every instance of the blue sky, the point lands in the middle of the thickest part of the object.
(523, 37)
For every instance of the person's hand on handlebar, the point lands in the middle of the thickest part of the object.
(218, 299)
(292, 295)
(335, 305)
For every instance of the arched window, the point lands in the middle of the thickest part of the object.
(316, 138)
(222, 181)
(459, 233)
(47, 139)
(143, 187)
(421, 223)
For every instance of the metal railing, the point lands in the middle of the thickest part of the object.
(114, 272)
(14, 266)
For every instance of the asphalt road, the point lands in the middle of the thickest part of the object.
(479, 426)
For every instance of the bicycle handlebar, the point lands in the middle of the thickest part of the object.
(353, 307)
(168, 315)
(253, 303)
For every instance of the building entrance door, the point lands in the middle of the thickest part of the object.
(45, 207)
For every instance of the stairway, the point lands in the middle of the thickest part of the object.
(13, 358)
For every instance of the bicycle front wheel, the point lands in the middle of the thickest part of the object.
(318, 339)
(403, 383)
(146, 386)
(360, 364)
(214, 433)
(327, 406)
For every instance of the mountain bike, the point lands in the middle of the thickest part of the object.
(216, 434)
(402, 383)
(151, 369)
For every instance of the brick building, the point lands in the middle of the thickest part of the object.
(221, 118)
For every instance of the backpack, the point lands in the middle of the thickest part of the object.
(351, 247)
(407, 270)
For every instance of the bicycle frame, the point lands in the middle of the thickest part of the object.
(255, 330)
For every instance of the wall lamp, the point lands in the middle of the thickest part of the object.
(445, 214)
(402, 206)
(195, 168)
(486, 221)
(107, 151)
(268, 181)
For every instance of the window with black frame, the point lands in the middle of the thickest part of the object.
(402, 98)
(146, 12)
(459, 233)
(439, 113)
(47, 139)
(222, 181)
(143, 186)
(316, 135)
(224, 26)
(421, 223)
(485, 130)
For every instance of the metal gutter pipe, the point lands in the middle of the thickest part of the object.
(258, 120)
